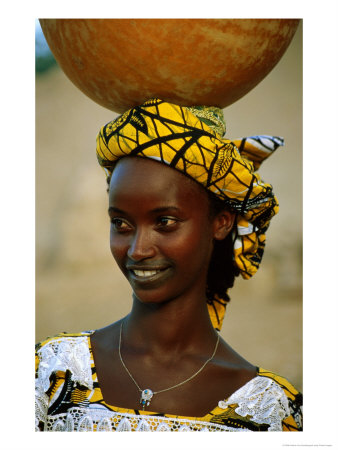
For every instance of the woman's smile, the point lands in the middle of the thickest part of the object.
(145, 273)
(148, 275)
(150, 278)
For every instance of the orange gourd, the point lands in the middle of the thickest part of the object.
(120, 63)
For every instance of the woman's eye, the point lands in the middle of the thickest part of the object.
(120, 224)
(166, 222)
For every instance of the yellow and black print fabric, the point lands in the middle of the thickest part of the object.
(67, 392)
(190, 140)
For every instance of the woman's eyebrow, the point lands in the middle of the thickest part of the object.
(160, 209)
(113, 209)
(165, 208)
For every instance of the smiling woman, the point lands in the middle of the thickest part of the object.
(188, 213)
(160, 223)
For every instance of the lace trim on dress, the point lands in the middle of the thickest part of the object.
(263, 400)
(64, 354)
(101, 419)
(41, 405)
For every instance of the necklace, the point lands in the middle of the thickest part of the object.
(147, 394)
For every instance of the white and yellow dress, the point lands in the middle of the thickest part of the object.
(69, 398)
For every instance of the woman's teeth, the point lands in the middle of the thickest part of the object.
(145, 273)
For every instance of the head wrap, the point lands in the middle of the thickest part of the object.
(189, 139)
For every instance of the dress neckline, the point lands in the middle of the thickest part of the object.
(216, 410)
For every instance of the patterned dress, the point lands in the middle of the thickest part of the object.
(69, 398)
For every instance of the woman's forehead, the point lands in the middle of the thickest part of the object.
(137, 176)
(140, 172)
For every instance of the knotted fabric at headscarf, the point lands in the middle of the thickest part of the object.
(189, 139)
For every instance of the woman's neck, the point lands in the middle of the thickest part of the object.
(174, 326)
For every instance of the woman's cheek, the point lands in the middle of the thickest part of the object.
(118, 247)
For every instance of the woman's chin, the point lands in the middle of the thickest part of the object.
(147, 297)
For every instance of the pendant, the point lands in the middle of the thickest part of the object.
(146, 397)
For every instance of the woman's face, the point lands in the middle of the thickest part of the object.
(161, 233)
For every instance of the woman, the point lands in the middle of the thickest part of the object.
(188, 214)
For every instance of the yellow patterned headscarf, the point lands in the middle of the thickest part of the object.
(189, 139)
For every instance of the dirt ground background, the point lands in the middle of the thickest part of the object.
(78, 285)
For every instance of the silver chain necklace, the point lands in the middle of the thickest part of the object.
(147, 394)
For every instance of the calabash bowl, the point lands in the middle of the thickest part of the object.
(120, 63)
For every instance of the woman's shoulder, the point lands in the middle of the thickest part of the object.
(289, 389)
(62, 337)
(270, 395)
(294, 399)
(64, 352)
(268, 402)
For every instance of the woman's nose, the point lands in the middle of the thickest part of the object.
(141, 246)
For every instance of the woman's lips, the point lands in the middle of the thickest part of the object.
(145, 273)
(148, 276)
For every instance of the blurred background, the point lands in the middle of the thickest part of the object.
(78, 285)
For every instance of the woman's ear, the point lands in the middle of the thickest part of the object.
(223, 224)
